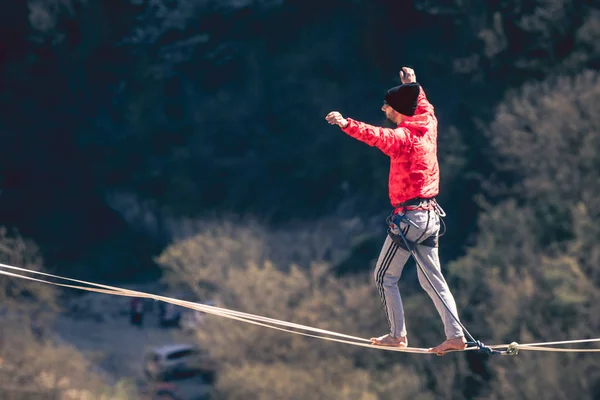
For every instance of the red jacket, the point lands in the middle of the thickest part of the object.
(412, 148)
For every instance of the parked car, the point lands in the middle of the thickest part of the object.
(168, 362)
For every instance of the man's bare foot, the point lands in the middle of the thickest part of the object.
(387, 340)
(458, 343)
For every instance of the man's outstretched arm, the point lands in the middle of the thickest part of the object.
(387, 140)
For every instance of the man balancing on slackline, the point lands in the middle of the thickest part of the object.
(413, 185)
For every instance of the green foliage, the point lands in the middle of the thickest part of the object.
(520, 39)
(532, 273)
(31, 361)
(20, 297)
(29, 365)
(333, 378)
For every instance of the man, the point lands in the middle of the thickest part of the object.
(413, 184)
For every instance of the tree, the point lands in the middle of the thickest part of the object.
(545, 136)
(532, 274)
(30, 356)
(20, 297)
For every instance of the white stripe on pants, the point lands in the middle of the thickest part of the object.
(389, 269)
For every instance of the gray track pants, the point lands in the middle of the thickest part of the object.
(391, 263)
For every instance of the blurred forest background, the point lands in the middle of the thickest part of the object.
(185, 140)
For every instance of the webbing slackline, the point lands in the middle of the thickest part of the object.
(511, 349)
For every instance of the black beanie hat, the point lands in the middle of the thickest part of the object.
(403, 98)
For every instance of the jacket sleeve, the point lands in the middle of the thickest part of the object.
(389, 141)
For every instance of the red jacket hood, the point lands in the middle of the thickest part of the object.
(424, 116)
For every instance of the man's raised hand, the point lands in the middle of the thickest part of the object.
(407, 75)
(335, 118)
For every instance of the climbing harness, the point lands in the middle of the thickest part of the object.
(510, 349)
(419, 204)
